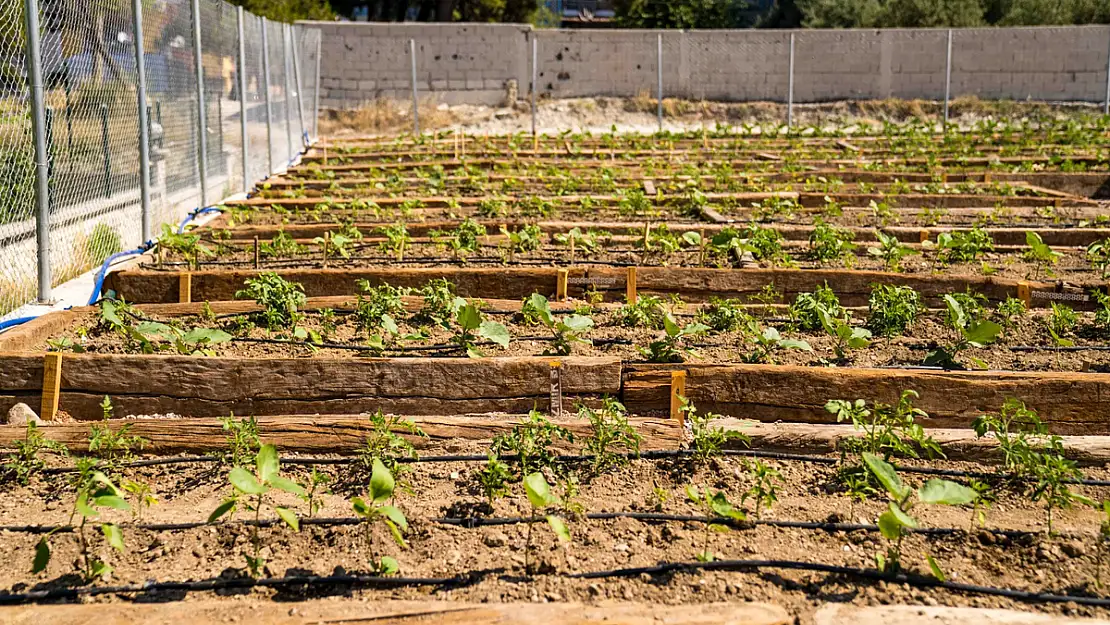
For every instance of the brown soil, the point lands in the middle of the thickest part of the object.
(189, 492)
(729, 347)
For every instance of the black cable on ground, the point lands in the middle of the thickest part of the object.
(473, 522)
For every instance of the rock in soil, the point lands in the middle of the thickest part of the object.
(21, 414)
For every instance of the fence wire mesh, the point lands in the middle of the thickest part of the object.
(18, 271)
(89, 68)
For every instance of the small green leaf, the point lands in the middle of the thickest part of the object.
(389, 325)
(113, 535)
(393, 513)
(890, 526)
(559, 528)
(287, 485)
(469, 317)
(388, 566)
(903, 518)
(946, 493)
(227, 506)
(267, 462)
(577, 323)
(538, 490)
(360, 507)
(289, 517)
(540, 305)
(493, 331)
(982, 333)
(245, 482)
(111, 501)
(396, 533)
(381, 482)
(886, 475)
(935, 568)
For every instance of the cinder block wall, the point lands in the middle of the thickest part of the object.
(473, 62)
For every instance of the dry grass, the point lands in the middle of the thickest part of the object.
(384, 116)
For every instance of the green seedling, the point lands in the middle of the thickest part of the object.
(374, 509)
(397, 239)
(894, 522)
(243, 440)
(462, 240)
(1098, 254)
(493, 479)
(972, 334)
(805, 312)
(589, 242)
(764, 489)
(317, 480)
(724, 315)
(672, 346)
(526, 239)
(891, 310)
(335, 245)
(94, 493)
(717, 508)
(282, 245)
(26, 462)
(532, 441)
(963, 247)
(767, 342)
(566, 331)
(1040, 254)
(707, 440)
(890, 250)
(194, 342)
(378, 307)
(184, 243)
(1009, 310)
(612, 439)
(279, 299)
(251, 491)
(112, 447)
(385, 445)
(829, 243)
(845, 335)
(540, 499)
(440, 303)
(471, 327)
(647, 312)
(888, 429)
(143, 496)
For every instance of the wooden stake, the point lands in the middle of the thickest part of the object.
(561, 284)
(327, 241)
(986, 177)
(51, 385)
(704, 138)
(630, 286)
(678, 392)
(1025, 294)
(185, 288)
(257, 254)
(462, 145)
(571, 249)
(456, 143)
(401, 252)
(701, 248)
(924, 235)
(556, 388)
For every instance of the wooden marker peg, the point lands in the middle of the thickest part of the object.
(630, 286)
(327, 241)
(704, 138)
(571, 249)
(257, 254)
(986, 177)
(556, 388)
(701, 248)
(1025, 294)
(561, 284)
(185, 288)
(924, 235)
(678, 392)
(51, 385)
(535, 145)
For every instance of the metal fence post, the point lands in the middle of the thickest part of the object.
(242, 71)
(202, 121)
(42, 157)
(659, 77)
(104, 147)
(285, 89)
(790, 85)
(947, 78)
(415, 102)
(269, 105)
(147, 226)
(535, 79)
(297, 85)
(316, 94)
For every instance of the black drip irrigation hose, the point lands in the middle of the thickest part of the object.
(475, 522)
(408, 348)
(664, 568)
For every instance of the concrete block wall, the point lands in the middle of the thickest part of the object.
(472, 63)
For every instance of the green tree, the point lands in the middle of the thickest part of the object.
(678, 13)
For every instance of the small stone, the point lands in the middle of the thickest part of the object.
(985, 537)
(1073, 550)
(496, 539)
(198, 551)
(621, 547)
(552, 596)
(594, 589)
(21, 414)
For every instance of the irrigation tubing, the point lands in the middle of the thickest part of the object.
(197, 213)
(569, 458)
(475, 522)
(102, 273)
(11, 323)
(663, 568)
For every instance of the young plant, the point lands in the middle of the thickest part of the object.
(143, 496)
(717, 508)
(440, 303)
(471, 327)
(397, 239)
(963, 247)
(282, 245)
(526, 239)
(972, 333)
(768, 342)
(532, 440)
(829, 243)
(384, 445)
(242, 440)
(378, 307)
(94, 492)
(589, 242)
(764, 489)
(890, 250)
(186, 244)
(316, 480)
(891, 310)
(724, 315)
(251, 491)
(493, 479)
(894, 522)
(1040, 254)
(672, 346)
(112, 447)
(888, 429)
(540, 498)
(375, 510)
(1098, 254)
(463, 239)
(1010, 309)
(279, 299)
(566, 331)
(706, 440)
(335, 245)
(805, 312)
(25, 461)
(647, 312)
(845, 335)
(611, 431)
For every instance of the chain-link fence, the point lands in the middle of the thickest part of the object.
(74, 82)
